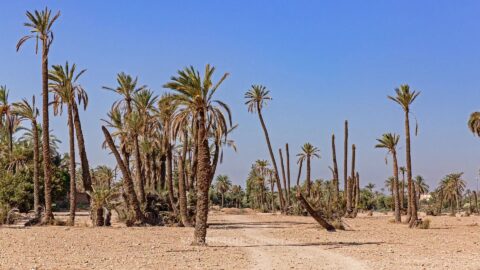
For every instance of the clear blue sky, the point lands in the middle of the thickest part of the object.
(324, 62)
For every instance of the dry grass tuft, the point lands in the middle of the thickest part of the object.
(425, 224)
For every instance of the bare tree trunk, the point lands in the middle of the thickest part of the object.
(335, 172)
(272, 157)
(47, 162)
(127, 180)
(350, 186)
(413, 203)
(345, 164)
(36, 169)
(73, 195)
(288, 188)
(357, 193)
(86, 177)
(182, 189)
(396, 195)
(283, 175)
(203, 179)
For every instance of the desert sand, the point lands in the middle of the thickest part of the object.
(248, 240)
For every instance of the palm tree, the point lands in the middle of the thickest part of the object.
(389, 141)
(65, 90)
(6, 111)
(335, 171)
(403, 170)
(29, 111)
(257, 98)
(474, 123)
(288, 187)
(195, 96)
(237, 194)
(40, 24)
(404, 97)
(389, 184)
(345, 162)
(127, 88)
(453, 186)
(308, 152)
(223, 185)
(421, 187)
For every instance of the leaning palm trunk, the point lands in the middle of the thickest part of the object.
(203, 180)
(86, 177)
(47, 163)
(396, 195)
(283, 175)
(127, 180)
(411, 196)
(182, 193)
(272, 157)
(73, 196)
(36, 169)
(317, 215)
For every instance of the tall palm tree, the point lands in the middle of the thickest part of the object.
(404, 97)
(389, 141)
(127, 88)
(237, 194)
(257, 98)
(288, 187)
(29, 111)
(196, 96)
(474, 123)
(223, 185)
(403, 170)
(67, 91)
(40, 25)
(308, 152)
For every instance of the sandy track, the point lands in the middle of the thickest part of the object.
(267, 252)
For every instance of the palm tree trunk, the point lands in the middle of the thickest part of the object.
(402, 195)
(73, 196)
(272, 185)
(309, 182)
(203, 179)
(36, 169)
(475, 200)
(299, 173)
(317, 215)
(169, 164)
(86, 177)
(127, 180)
(182, 189)
(272, 157)
(163, 169)
(283, 174)
(288, 174)
(216, 155)
(345, 164)
(350, 186)
(335, 172)
(396, 194)
(357, 193)
(411, 195)
(138, 171)
(47, 165)
(154, 171)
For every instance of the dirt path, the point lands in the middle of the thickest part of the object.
(267, 252)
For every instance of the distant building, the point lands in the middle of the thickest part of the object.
(425, 197)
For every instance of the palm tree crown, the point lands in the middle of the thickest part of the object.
(308, 151)
(404, 96)
(388, 141)
(40, 24)
(474, 123)
(256, 98)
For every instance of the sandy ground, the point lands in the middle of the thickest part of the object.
(248, 241)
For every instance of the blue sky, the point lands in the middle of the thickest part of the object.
(323, 61)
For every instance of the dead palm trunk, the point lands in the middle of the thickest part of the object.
(350, 187)
(335, 172)
(352, 184)
(272, 157)
(86, 177)
(283, 175)
(413, 203)
(288, 188)
(36, 170)
(345, 164)
(396, 194)
(402, 195)
(127, 180)
(203, 179)
(182, 189)
(357, 193)
(73, 196)
(47, 163)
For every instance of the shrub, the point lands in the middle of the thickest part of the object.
(425, 224)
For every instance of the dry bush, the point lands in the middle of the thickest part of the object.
(425, 224)
(338, 224)
(4, 209)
